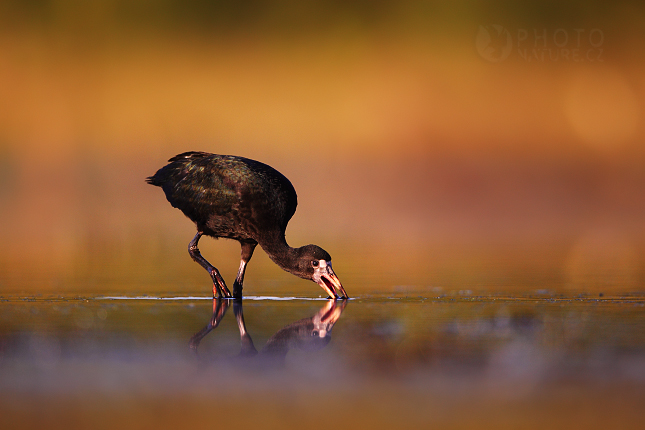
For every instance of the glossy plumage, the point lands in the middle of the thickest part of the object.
(242, 199)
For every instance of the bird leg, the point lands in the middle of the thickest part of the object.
(219, 310)
(247, 253)
(219, 286)
(247, 349)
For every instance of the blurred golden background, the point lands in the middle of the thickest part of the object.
(462, 145)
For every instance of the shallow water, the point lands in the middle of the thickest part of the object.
(287, 362)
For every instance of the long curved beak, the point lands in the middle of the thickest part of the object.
(327, 279)
(330, 313)
(326, 317)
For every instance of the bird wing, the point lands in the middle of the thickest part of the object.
(196, 185)
(227, 194)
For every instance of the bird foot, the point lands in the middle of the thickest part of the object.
(219, 286)
(237, 290)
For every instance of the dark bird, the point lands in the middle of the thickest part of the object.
(242, 199)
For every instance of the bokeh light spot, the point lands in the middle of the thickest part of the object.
(602, 109)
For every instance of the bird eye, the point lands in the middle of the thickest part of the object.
(314, 333)
(314, 263)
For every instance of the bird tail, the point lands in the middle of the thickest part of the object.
(153, 180)
(160, 178)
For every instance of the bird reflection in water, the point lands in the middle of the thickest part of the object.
(309, 334)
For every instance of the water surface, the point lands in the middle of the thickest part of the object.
(451, 360)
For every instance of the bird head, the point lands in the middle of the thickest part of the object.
(315, 263)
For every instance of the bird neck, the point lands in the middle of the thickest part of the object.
(282, 254)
